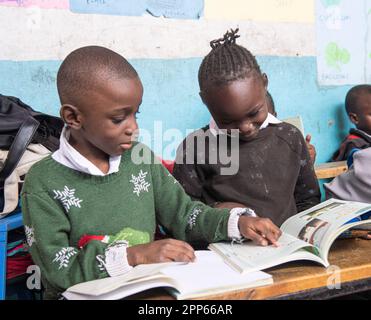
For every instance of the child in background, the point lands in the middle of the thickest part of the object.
(355, 184)
(90, 209)
(275, 178)
(358, 108)
(272, 111)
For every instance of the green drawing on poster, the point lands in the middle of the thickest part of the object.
(328, 3)
(336, 57)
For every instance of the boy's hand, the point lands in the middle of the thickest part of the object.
(165, 250)
(260, 230)
(311, 148)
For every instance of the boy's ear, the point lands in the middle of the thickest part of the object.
(71, 115)
(353, 117)
(202, 95)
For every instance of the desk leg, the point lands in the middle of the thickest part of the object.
(3, 250)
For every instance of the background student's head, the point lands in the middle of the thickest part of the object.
(233, 87)
(100, 93)
(358, 107)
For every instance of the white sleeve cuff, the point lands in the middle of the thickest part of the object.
(115, 260)
(234, 216)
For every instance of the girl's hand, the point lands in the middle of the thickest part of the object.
(165, 250)
(311, 148)
(260, 230)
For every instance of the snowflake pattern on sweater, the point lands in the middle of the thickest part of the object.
(67, 198)
(140, 183)
(30, 236)
(63, 256)
(193, 216)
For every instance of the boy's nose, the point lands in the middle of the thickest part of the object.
(131, 128)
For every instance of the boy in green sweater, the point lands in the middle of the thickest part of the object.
(91, 208)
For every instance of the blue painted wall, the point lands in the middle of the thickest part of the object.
(171, 95)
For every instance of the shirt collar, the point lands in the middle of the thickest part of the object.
(70, 157)
(271, 119)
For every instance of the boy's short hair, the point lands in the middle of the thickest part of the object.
(351, 99)
(86, 67)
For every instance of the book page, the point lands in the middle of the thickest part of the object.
(209, 274)
(106, 285)
(247, 257)
(317, 225)
(128, 289)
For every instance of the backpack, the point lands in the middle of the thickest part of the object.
(20, 125)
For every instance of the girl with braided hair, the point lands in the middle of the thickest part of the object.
(275, 177)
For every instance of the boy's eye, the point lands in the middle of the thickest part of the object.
(136, 114)
(117, 120)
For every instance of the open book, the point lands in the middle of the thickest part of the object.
(306, 236)
(297, 122)
(208, 275)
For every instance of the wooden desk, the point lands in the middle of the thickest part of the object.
(305, 280)
(330, 169)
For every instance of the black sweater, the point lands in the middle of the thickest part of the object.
(275, 176)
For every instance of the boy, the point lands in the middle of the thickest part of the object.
(275, 176)
(358, 108)
(90, 210)
(355, 184)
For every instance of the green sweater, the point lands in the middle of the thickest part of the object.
(60, 205)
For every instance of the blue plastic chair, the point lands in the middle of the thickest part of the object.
(8, 223)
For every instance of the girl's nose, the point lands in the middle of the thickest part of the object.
(246, 127)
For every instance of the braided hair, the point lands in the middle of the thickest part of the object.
(226, 62)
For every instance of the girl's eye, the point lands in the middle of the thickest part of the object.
(254, 114)
(226, 123)
(136, 114)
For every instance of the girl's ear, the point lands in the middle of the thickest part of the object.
(265, 80)
(353, 117)
(71, 116)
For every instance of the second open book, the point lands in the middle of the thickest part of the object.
(305, 236)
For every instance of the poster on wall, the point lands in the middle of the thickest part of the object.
(177, 9)
(341, 41)
(44, 4)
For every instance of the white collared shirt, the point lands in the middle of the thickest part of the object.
(70, 157)
(270, 119)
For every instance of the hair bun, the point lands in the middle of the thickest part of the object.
(228, 38)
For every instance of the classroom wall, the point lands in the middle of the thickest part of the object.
(167, 54)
